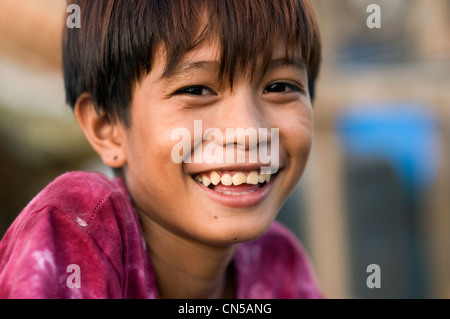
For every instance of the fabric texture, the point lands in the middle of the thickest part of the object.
(85, 220)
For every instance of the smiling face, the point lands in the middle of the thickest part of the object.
(215, 203)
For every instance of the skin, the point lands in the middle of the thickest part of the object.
(191, 238)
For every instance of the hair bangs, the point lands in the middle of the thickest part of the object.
(249, 31)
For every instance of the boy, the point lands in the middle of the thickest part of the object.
(135, 73)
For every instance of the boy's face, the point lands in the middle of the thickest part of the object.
(169, 193)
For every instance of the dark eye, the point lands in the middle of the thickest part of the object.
(281, 87)
(195, 90)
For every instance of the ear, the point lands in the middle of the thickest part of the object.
(104, 135)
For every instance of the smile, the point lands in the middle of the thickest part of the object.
(235, 188)
(235, 178)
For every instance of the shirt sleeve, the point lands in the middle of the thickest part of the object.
(50, 254)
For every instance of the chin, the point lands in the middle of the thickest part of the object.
(237, 230)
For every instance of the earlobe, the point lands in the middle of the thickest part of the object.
(102, 133)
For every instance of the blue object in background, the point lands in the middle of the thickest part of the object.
(385, 228)
(404, 133)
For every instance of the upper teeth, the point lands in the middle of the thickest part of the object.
(238, 178)
(215, 178)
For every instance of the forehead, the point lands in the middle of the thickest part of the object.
(208, 57)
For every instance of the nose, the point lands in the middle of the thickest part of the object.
(242, 120)
(245, 134)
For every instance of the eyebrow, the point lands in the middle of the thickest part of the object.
(296, 62)
(212, 66)
(184, 68)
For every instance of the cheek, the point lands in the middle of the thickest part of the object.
(295, 144)
(154, 181)
(296, 134)
(155, 163)
(299, 140)
(150, 169)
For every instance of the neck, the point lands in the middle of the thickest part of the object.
(187, 268)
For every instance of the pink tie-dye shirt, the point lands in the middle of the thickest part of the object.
(81, 238)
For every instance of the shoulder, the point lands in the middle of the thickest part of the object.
(75, 193)
(79, 198)
(278, 266)
(279, 236)
(77, 219)
(278, 242)
(72, 198)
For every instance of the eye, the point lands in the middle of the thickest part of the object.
(195, 90)
(282, 87)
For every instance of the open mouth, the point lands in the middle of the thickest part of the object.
(236, 188)
(236, 183)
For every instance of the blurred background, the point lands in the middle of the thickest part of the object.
(377, 186)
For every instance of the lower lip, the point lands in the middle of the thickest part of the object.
(240, 201)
